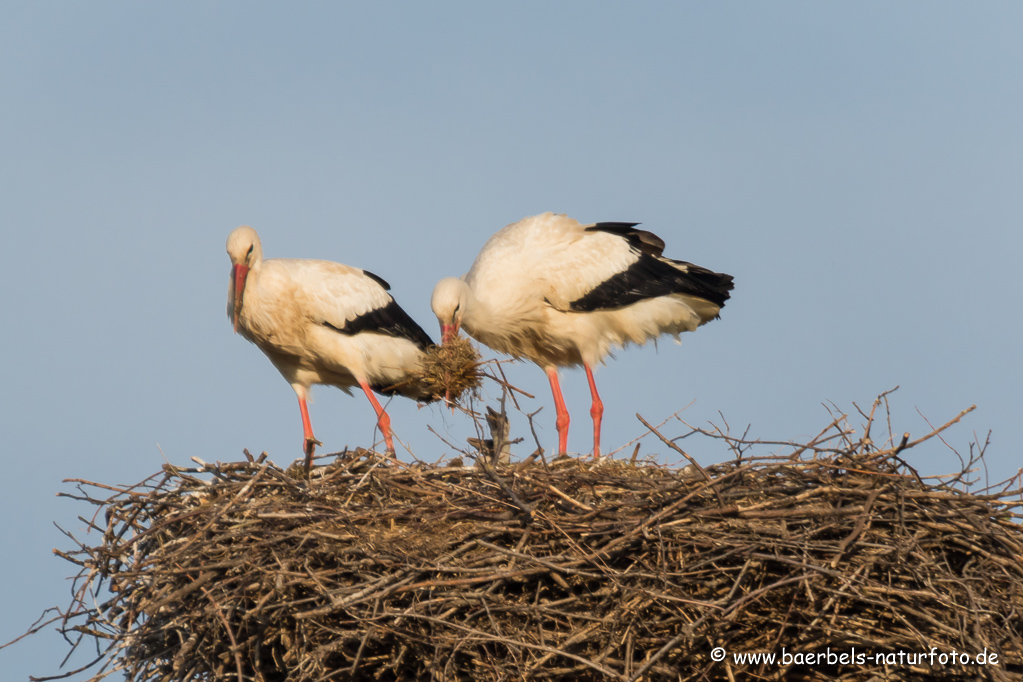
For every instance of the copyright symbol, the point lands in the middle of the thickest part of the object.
(717, 654)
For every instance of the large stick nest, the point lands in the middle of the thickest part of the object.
(563, 570)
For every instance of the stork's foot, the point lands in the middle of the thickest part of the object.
(391, 453)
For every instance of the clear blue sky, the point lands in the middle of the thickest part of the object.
(857, 166)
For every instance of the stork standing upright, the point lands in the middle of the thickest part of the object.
(563, 294)
(321, 322)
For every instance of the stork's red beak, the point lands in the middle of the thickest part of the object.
(448, 332)
(240, 273)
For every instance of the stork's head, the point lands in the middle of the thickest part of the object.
(450, 299)
(246, 253)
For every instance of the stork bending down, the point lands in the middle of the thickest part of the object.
(563, 294)
(321, 322)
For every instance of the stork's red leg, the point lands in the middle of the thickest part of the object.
(596, 411)
(562, 411)
(383, 421)
(309, 442)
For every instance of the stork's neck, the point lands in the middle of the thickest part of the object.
(475, 312)
(255, 267)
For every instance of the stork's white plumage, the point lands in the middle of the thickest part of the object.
(321, 322)
(563, 294)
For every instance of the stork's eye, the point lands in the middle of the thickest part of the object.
(249, 252)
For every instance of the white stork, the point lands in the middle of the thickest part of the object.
(321, 322)
(563, 294)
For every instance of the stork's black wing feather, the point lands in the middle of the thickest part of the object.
(651, 276)
(640, 240)
(391, 320)
(378, 279)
